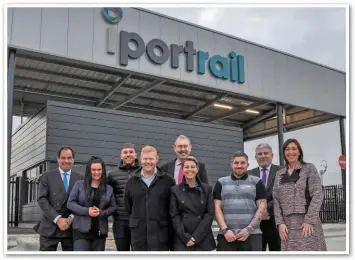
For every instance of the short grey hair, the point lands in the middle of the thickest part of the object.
(182, 137)
(263, 145)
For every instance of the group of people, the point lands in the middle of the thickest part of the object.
(172, 207)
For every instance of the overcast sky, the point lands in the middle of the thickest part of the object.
(317, 34)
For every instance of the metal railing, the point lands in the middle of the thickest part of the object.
(333, 209)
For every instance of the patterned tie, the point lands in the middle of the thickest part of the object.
(264, 176)
(181, 175)
(65, 181)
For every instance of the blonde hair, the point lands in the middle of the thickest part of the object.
(149, 149)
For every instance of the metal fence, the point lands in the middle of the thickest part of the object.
(333, 207)
(13, 213)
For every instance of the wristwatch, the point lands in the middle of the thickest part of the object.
(225, 230)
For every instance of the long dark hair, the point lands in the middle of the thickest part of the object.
(88, 178)
(300, 158)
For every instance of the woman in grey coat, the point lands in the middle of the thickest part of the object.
(92, 202)
(298, 197)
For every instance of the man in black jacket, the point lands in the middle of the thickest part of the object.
(118, 180)
(266, 172)
(182, 149)
(147, 198)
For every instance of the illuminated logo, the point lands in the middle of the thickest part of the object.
(112, 15)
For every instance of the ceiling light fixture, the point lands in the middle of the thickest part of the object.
(252, 111)
(222, 106)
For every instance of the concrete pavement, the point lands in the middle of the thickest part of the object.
(23, 238)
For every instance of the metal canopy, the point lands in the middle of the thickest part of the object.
(40, 77)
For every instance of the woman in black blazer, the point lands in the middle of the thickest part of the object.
(92, 202)
(192, 211)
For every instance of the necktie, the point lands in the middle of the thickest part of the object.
(181, 175)
(264, 176)
(65, 181)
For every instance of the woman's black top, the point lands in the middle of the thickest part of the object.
(94, 232)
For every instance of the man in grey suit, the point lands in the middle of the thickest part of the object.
(266, 172)
(54, 190)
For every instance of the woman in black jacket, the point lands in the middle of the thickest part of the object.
(92, 202)
(192, 211)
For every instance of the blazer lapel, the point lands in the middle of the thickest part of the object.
(73, 179)
(271, 176)
(58, 179)
(257, 172)
(172, 168)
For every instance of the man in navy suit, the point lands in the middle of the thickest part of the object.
(182, 149)
(266, 172)
(54, 190)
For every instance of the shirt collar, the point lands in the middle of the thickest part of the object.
(268, 168)
(178, 162)
(155, 173)
(62, 172)
(244, 177)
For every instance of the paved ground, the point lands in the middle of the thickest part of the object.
(25, 239)
(336, 243)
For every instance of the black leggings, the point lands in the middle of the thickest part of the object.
(90, 245)
(253, 243)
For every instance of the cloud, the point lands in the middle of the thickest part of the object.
(209, 17)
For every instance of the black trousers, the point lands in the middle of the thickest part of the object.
(271, 236)
(122, 235)
(253, 243)
(90, 244)
(51, 244)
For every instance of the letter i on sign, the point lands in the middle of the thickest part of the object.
(236, 67)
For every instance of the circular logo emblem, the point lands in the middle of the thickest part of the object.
(112, 15)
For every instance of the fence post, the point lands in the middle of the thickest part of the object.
(336, 203)
(17, 200)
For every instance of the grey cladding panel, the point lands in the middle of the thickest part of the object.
(81, 47)
(29, 143)
(106, 140)
(146, 121)
(102, 132)
(55, 30)
(9, 24)
(26, 27)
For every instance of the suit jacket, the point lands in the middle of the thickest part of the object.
(269, 185)
(52, 200)
(305, 192)
(79, 205)
(169, 168)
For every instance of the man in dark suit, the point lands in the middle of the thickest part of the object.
(182, 149)
(54, 190)
(266, 172)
